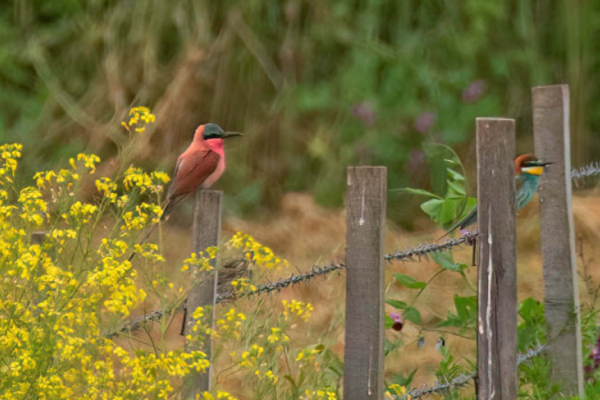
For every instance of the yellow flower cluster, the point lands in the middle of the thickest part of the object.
(230, 324)
(394, 390)
(268, 374)
(89, 161)
(139, 118)
(258, 254)
(80, 213)
(277, 335)
(325, 394)
(309, 354)
(242, 285)
(33, 206)
(60, 296)
(143, 215)
(107, 188)
(200, 261)
(9, 154)
(152, 182)
(297, 308)
(220, 395)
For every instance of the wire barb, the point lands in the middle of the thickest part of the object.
(423, 250)
(579, 175)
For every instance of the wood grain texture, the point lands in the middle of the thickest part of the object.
(552, 143)
(366, 213)
(206, 231)
(497, 288)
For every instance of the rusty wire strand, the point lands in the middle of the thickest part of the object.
(423, 250)
(465, 378)
(282, 283)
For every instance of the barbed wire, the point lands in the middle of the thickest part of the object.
(282, 283)
(579, 175)
(465, 378)
(424, 249)
(269, 287)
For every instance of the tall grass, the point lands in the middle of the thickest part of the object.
(315, 85)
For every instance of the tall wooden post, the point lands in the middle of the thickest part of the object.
(497, 289)
(552, 143)
(206, 230)
(363, 353)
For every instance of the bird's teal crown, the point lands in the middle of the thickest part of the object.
(214, 131)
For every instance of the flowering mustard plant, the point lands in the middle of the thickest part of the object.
(138, 119)
(61, 295)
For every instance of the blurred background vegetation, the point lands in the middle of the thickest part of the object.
(314, 85)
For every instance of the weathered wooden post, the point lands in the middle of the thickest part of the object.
(206, 230)
(552, 143)
(366, 212)
(497, 289)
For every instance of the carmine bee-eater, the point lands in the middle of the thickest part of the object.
(528, 170)
(200, 165)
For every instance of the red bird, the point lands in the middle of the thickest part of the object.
(200, 165)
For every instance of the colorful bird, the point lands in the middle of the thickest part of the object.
(528, 170)
(200, 165)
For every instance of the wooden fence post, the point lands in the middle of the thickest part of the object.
(552, 143)
(206, 230)
(497, 289)
(365, 223)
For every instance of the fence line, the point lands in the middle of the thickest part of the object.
(424, 249)
(464, 379)
(409, 255)
(414, 254)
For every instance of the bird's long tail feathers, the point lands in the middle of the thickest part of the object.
(152, 229)
(172, 202)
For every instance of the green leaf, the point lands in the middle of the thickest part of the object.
(400, 305)
(446, 261)
(409, 282)
(455, 176)
(388, 322)
(432, 208)
(466, 313)
(420, 192)
(413, 315)
(456, 190)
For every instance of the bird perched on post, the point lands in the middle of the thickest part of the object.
(528, 170)
(200, 165)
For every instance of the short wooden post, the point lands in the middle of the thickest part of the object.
(497, 291)
(552, 143)
(366, 213)
(206, 230)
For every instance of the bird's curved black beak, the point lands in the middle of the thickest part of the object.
(230, 134)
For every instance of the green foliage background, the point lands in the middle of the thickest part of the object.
(314, 85)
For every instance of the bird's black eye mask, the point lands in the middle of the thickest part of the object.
(535, 163)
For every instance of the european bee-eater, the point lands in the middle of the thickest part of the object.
(200, 165)
(528, 170)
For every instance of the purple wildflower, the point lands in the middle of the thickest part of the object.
(398, 321)
(474, 92)
(364, 111)
(424, 122)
